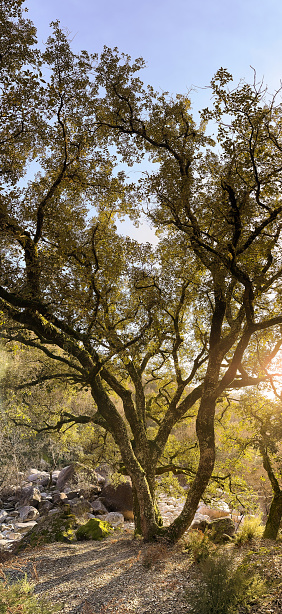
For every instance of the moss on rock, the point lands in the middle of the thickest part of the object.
(59, 527)
(94, 529)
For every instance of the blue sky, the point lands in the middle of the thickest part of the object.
(183, 42)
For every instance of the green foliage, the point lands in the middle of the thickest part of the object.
(19, 597)
(94, 529)
(199, 545)
(222, 586)
(156, 336)
(250, 529)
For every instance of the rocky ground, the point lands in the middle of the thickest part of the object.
(121, 574)
(32, 508)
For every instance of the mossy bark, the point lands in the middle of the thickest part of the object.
(274, 517)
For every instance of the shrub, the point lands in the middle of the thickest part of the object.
(199, 544)
(18, 598)
(222, 587)
(250, 529)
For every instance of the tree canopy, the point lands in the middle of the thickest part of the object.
(156, 335)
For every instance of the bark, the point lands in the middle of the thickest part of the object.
(205, 468)
(274, 517)
(136, 512)
(275, 513)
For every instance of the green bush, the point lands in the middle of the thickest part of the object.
(18, 598)
(249, 530)
(222, 586)
(199, 545)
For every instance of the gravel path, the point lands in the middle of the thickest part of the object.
(118, 574)
(122, 575)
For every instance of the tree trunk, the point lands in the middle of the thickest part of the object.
(274, 517)
(205, 433)
(136, 512)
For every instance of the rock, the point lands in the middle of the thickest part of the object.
(72, 494)
(66, 474)
(115, 519)
(45, 506)
(58, 497)
(80, 507)
(200, 522)
(31, 496)
(94, 529)
(99, 507)
(57, 527)
(28, 512)
(221, 528)
(23, 527)
(3, 543)
(36, 475)
(213, 513)
(13, 535)
(118, 499)
(43, 482)
(55, 474)
(3, 515)
(7, 527)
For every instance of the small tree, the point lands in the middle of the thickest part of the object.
(265, 419)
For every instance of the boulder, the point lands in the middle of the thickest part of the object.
(33, 497)
(28, 512)
(94, 529)
(55, 474)
(59, 497)
(115, 519)
(221, 529)
(35, 475)
(118, 499)
(98, 507)
(200, 522)
(45, 506)
(3, 543)
(66, 475)
(23, 527)
(3, 515)
(57, 527)
(72, 494)
(7, 527)
(80, 507)
(12, 535)
(212, 512)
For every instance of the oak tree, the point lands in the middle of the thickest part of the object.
(156, 335)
